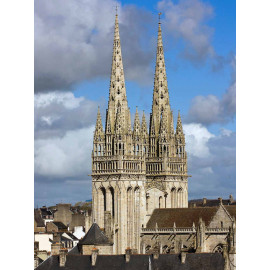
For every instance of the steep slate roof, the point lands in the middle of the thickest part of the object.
(38, 219)
(94, 237)
(72, 236)
(60, 225)
(231, 209)
(194, 261)
(45, 212)
(183, 217)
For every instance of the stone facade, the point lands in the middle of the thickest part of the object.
(135, 170)
(191, 230)
(63, 213)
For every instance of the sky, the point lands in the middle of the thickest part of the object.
(73, 54)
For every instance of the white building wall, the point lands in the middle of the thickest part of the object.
(43, 239)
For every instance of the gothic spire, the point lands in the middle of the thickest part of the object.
(144, 126)
(99, 128)
(179, 128)
(137, 124)
(117, 83)
(160, 93)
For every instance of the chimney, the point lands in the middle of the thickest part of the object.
(128, 253)
(56, 248)
(94, 256)
(36, 261)
(183, 256)
(231, 199)
(56, 237)
(62, 257)
(220, 200)
(204, 201)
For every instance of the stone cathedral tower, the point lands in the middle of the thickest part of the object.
(135, 170)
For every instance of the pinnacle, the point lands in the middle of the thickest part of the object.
(99, 127)
(179, 124)
(137, 124)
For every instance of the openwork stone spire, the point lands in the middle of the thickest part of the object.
(160, 94)
(99, 128)
(179, 128)
(137, 124)
(117, 84)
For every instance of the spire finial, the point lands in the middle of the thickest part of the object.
(116, 10)
(159, 14)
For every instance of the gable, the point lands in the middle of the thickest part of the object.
(221, 218)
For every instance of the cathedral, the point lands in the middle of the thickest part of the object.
(141, 217)
(136, 170)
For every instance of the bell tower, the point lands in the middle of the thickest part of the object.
(136, 170)
(118, 164)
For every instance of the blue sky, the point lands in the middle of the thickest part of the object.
(72, 71)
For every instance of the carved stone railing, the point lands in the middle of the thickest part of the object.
(167, 230)
(179, 230)
(216, 230)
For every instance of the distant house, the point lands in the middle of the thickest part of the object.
(56, 226)
(211, 202)
(71, 237)
(46, 214)
(39, 225)
(44, 241)
(70, 216)
(63, 213)
(78, 232)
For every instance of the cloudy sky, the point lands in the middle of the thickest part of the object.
(73, 51)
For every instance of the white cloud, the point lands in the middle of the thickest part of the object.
(211, 109)
(74, 39)
(58, 112)
(211, 161)
(187, 19)
(68, 156)
(67, 99)
(197, 137)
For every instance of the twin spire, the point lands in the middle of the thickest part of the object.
(118, 113)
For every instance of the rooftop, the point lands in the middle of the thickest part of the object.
(194, 261)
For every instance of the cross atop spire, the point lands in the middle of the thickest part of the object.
(159, 14)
